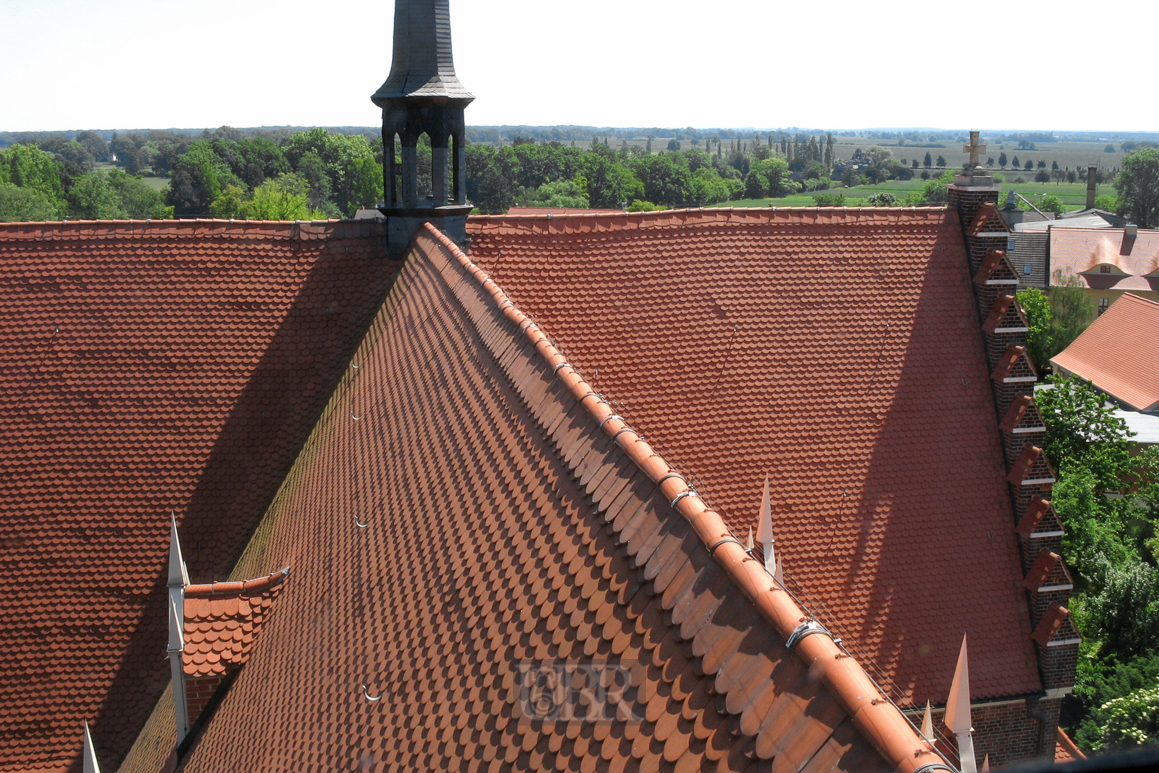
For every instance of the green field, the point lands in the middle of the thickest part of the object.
(156, 183)
(1072, 195)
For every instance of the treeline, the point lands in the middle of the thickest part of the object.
(282, 175)
(271, 175)
(61, 181)
(554, 174)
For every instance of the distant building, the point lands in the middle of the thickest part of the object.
(1119, 354)
(1110, 261)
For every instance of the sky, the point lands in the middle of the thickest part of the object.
(137, 64)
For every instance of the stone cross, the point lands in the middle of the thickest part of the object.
(974, 148)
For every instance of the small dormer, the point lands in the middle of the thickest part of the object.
(212, 628)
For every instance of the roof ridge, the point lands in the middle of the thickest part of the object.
(103, 229)
(583, 222)
(238, 587)
(876, 718)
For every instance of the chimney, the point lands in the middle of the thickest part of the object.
(1092, 184)
(422, 95)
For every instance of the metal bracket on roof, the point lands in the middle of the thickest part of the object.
(527, 326)
(609, 417)
(671, 475)
(622, 430)
(360, 524)
(712, 550)
(805, 629)
(356, 418)
(934, 766)
(507, 302)
(368, 697)
(689, 493)
(559, 366)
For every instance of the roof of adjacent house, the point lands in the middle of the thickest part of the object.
(1119, 352)
(472, 529)
(839, 352)
(1133, 261)
(149, 367)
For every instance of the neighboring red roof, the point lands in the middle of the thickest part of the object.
(469, 511)
(1065, 749)
(149, 367)
(222, 619)
(1119, 352)
(1134, 261)
(838, 351)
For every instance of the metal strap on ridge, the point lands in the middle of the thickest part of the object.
(935, 766)
(805, 629)
(689, 493)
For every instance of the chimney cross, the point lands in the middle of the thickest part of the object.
(974, 148)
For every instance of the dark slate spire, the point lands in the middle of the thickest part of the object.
(423, 95)
(423, 66)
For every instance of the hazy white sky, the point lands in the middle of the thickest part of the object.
(79, 64)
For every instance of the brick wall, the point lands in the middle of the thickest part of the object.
(198, 693)
(1006, 732)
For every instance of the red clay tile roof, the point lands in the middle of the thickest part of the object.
(149, 367)
(223, 619)
(1081, 251)
(838, 351)
(1065, 749)
(487, 510)
(1119, 352)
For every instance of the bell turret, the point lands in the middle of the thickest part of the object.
(423, 95)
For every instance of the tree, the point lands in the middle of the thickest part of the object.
(1138, 187)
(564, 194)
(928, 161)
(1002, 160)
(1029, 165)
(1016, 163)
(674, 145)
(95, 144)
(199, 176)
(1039, 341)
(27, 204)
(1082, 431)
(1106, 202)
(1071, 309)
(1049, 202)
(941, 161)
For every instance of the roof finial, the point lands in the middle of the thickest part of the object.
(958, 713)
(928, 724)
(765, 535)
(986, 764)
(178, 576)
(89, 754)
